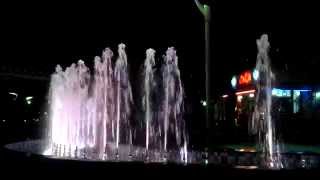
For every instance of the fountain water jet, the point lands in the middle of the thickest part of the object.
(172, 103)
(123, 95)
(148, 86)
(102, 103)
(262, 122)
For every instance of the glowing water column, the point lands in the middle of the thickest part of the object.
(205, 11)
(148, 86)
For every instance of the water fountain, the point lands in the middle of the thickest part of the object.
(172, 103)
(149, 85)
(91, 114)
(262, 123)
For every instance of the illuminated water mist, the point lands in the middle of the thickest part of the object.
(149, 85)
(172, 103)
(91, 112)
(262, 123)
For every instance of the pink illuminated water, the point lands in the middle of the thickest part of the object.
(91, 111)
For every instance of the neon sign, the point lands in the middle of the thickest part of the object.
(281, 92)
(245, 78)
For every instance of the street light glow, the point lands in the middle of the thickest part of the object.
(234, 81)
(14, 94)
(225, 96)
(204, 103)
(255, 74)
(28, 98)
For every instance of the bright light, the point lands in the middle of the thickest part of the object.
(245, 78)
(25, 121)
(234, 81)
(255, 74)
(246, 167)
(239, 98)
(29, 98)
(251, 95)
(14, 94)
(4, 120)
(281, 92)
(47, 152)
(204, 103)
(225, 96)
(245, 92)
(296, 93)
(317, 95)
(274, 92)
(304, 90)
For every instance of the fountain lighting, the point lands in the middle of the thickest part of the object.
(91, 116)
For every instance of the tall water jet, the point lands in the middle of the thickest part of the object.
(69, 90)
(148, 87)
(262, 123)
(172, 103)
(124, 97)
(102, 103)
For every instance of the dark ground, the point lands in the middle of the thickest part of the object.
(26, 166)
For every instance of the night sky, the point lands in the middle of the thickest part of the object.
(38, 35)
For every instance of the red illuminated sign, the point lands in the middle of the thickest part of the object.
(245, 78)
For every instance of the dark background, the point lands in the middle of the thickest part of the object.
(39, 35)
(35, 36)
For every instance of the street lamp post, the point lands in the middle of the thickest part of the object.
(205, 11)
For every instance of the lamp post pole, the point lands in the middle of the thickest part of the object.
(205, 11)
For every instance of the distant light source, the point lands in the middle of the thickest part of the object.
(281, 92)
(25, 121)
(296, 93)
(204, 103)
(245, 92)
(239, 98)
(251, 95)
(317, 95)
(255, 74)
(13, 93)
(225, 96)
(234, 81)
(304, 90)
(246, 167)
(245, 78)
(4, 120)
(29, 99)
